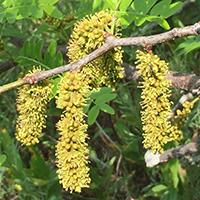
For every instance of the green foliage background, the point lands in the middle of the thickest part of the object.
(30, 172)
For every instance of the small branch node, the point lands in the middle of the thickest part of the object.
(29, 80)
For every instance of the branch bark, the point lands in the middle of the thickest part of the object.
(110, 42)
(188, 153)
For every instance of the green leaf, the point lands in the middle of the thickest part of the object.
(105, 98)
(174, 167)
(49, 2)
(53, 11)
(49, 56)
(2, 15)
(143, 6)
(124, 4)
(24, 61)
(32, 46)
(38, 165)
(139, 20)
(24, 11)
(152, 18)
(100, 91)
(95, 4)
(106, 108)
(7, 3)
(70, 24)
(11, 150)
(55, 88)
(160, 7)
(43, 28)
(85, 8)
(26, 50)
(38, 50)
(52, 48)
(111, 4)
(54, 191)
(156, 191)
(172, 9)
(126, 18)
(37, 11)
(2, 159)
(93, 114)
(11, 15)
(126, 135)
(88, 103)
(111, 162)
(163, 23)
(31, 54)
(10, 31)
(58, 59)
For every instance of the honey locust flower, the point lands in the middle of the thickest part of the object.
(180, 118)
(58, 23)
(31, 105)
(155, 104)
(71, 148)
(87, 36)
(2, 46)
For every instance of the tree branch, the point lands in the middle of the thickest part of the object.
(188, 153)
(187, 82)
(110, 42)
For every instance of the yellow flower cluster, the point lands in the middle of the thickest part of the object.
(31, 105)
(88, 36)
(71, 148)
(155, 93)
(2, 47)
(74, 89)
(58, 23)
(180, 118)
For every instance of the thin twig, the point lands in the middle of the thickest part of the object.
(110, 140)
(96, 160)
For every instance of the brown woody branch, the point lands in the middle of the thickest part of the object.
(110, 42)
(188, 153)
(187, 82)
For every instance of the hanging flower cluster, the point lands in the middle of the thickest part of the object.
(155, 93)
(71, 148)
(31, 105)
(74, 89)
(88, 36)
(58, 23)
(179, 119)
(2, 46)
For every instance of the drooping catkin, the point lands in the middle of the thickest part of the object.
(31, 105)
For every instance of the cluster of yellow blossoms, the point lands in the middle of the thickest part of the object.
(158, 130)
(31, 105)
(180, 118)
(71, 148)
(74, 89)
(155, 93)
(2, 46)
(88, 36)
(58, 23)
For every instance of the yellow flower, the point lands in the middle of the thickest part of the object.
(179, 119)
(71, 148)
(31, 105)
(87, 36)
(155, 93)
